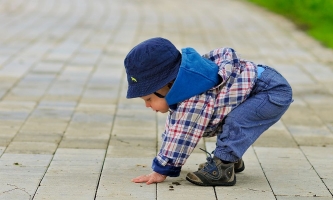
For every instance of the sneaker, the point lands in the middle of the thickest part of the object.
(213, 173)
(239, 166)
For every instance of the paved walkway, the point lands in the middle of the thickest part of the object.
(67, 131)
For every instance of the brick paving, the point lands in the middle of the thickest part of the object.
(68, 132)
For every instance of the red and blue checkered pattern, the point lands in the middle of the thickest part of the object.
(201, 115)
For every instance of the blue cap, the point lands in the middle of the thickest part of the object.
(150, 66)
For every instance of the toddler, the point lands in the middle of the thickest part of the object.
(217, 94)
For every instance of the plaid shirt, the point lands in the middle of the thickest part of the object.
(202, 115)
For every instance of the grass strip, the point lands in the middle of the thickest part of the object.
(312, 16)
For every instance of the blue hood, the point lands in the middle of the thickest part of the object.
(196, 75)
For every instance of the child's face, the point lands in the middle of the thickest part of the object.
(156, 103)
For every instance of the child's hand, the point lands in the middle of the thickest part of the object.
(153, 177)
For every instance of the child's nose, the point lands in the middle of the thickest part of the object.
(147, 105)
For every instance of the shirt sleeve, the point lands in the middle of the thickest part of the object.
(184, 128)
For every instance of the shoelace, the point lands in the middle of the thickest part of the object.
(210, 160)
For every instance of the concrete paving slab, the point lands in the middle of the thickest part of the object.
(47, 67)
(124, 131)
(71, 183)
(147, 125)
(288, 172)
(44, 127)
(136, 141)
(94, 118)
(83, 143)
(120, 149)
(73, 172)
(76, 128)
(100, 96)
(29, 184)
(321, 159)
(20, 174)
(96, 108)
(64, 192)
(2, 149)
(15, 193)
(117, 175)
(6, 139)
(32, 147)
(276, 136)
(301, 198)
(38, 137)
(78, 154)
(299, 115)
(312, 136)
(25, 159)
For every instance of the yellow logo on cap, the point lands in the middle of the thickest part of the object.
(133, 79)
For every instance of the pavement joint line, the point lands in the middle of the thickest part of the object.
(328, 189)
(272, 190)
(111, 129)
(82, 92)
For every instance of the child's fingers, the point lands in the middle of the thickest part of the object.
(150, 181)
(156, 178)
(150, 178)
(140, 179)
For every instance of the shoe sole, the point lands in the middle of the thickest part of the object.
(222, 184)
(240, 169)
